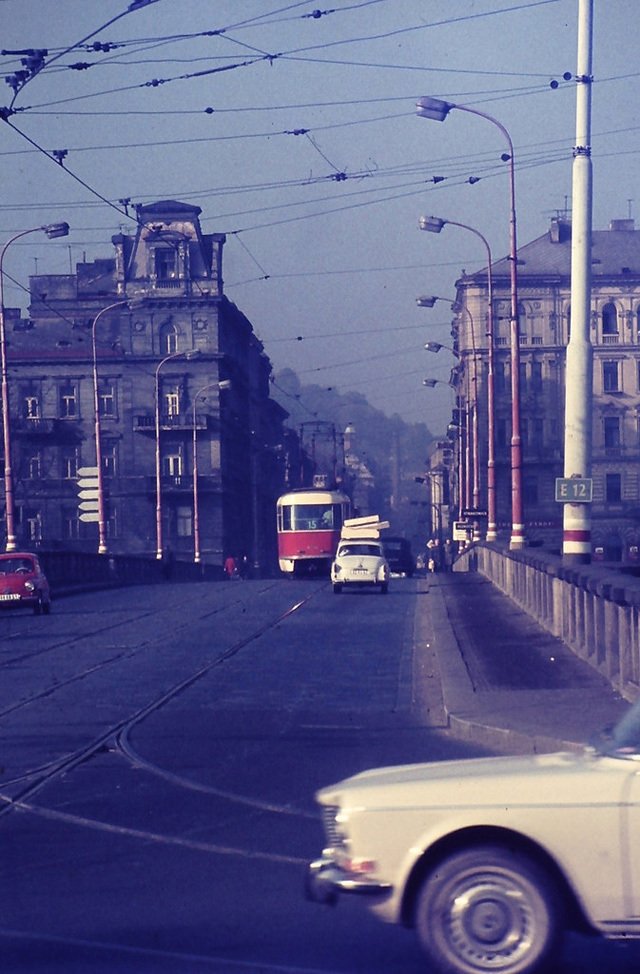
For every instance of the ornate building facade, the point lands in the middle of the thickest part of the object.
(544, 269)
(145, 347)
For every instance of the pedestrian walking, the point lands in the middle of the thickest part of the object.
(230, 567)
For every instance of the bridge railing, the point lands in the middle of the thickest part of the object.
(75, 570)
(594, 610)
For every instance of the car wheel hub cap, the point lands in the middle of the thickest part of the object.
(490, 924)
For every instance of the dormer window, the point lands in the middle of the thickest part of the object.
(166, 264)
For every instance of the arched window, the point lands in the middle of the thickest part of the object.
(609, 319)
(168, 340)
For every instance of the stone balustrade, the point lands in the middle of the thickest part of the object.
(594, 610)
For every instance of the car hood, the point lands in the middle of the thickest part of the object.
(15, 583)
(556, 778)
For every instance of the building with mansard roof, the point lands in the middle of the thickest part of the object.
(183, 385)
(544, 295)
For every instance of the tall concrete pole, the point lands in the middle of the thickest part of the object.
(576, 541)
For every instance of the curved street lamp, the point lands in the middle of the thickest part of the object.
(437, 110)
(189, 355)
(52, 231)
(456, 430)
(474, 468)
(434, 224)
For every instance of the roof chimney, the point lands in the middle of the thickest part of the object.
(624, 225)
(560, 230)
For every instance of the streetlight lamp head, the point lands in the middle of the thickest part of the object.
(430, 383)
(433, 346)
(191, 354)
(431, 223)
(434, 108)
(426, 301)
(53, 230)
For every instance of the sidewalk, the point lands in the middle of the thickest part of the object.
(506, 683)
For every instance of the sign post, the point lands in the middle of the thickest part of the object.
(574, 490)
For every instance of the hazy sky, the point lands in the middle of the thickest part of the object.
(296, 134)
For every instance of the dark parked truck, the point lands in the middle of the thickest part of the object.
(399, 555)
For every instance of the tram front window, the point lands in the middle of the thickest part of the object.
(308, 517)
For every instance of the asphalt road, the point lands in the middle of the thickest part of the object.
(160, 751)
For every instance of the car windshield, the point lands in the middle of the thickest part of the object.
(360, 549)
(623, 740)
(10, 565)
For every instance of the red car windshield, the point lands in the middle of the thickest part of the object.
(9, 566)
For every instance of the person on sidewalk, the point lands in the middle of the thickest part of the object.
(230, 567)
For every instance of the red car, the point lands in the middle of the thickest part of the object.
(22, 582)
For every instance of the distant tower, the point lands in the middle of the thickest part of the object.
(349, 438)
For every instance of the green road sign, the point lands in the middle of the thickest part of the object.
(574, 490)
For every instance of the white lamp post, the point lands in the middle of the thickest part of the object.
(576, 535)
(52, 230)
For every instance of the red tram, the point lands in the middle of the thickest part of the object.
(309, 525)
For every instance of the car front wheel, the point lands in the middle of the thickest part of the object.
(488, 909)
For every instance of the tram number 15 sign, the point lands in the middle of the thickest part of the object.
(574, 490)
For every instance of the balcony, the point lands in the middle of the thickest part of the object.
(183, 483)
(146, 422)
(33, 426)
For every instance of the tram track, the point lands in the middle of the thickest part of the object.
(128, 653)
(35, 780)
(130, 620)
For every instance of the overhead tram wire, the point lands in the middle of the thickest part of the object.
(67, 50)
(295, 106)
(259, 21)
(357, 331)
(472, 162)
(286, 55)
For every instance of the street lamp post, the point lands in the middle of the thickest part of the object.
(52, 231)
(102, 520)
(189, 354)
(222, 384)
(437, 109)
(436, 497)
(461, 434)
(434, 224)
(576, 534)
(471, 442)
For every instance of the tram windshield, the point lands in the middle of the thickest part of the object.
(312, 517)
